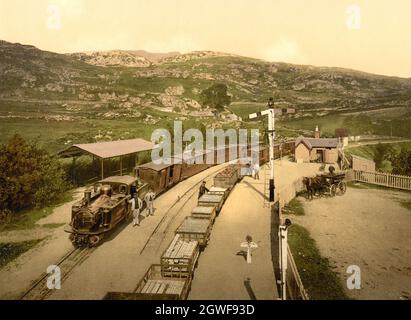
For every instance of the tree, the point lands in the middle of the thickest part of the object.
(216, 96)
(29, 176)
(381, 153)
(401, 162)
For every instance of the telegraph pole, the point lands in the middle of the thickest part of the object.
(271, 132)
(270, 112)
(283, 227)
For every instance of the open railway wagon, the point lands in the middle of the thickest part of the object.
(154, 286)
(228, 177)
(212, 200)
(194, 229)
(224, 192)
(208, 213)
(180, 258)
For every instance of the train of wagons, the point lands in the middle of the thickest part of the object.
(106, 205)
(172, 277)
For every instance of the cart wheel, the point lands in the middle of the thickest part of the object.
(94, 241)
(333, 190)
(342, 188)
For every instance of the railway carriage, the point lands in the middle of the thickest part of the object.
(160, 177)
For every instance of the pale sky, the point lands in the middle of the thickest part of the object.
(372, 35)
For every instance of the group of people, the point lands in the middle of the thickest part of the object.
(254, 170)
(137, 206)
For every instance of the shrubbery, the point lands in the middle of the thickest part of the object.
(29, 176)
(216, 96)
(401, 162)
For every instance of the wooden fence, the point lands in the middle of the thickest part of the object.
(383, 179)
(295, 287)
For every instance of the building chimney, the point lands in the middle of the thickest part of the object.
(317, 133)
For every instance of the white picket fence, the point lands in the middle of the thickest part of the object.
(384, 179)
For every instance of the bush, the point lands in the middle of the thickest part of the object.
(401, 162)
(216, 97)
(29, 176)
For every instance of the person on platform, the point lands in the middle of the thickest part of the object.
(136, 208)
(256, 171)
(149, 199)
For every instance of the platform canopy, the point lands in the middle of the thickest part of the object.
(108, 150)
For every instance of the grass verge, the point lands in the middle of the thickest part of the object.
(320, 281)
(27, 219)
(11, 251)
(406, 204)
(363, 185)
(295, 207)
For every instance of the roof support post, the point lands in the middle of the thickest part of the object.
(102, 169)
(121, 166)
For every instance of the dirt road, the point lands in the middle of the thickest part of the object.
(368, 228)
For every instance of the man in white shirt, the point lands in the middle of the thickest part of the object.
(136, 207)
(256, 171)
(149, 199)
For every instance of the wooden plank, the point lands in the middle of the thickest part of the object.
(182, 250)
(150, 287)
(146, 286)
(176, 248)
(171, 247)
(156, 287)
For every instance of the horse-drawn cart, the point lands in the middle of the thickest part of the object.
(336, 184)
(331, 184)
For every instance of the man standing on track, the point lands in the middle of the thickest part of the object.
(203, 190)
(149, 199)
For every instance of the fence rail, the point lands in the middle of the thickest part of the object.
(295, 287)
(384, 179)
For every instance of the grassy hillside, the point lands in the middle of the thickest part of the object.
(370, 152)
(60, 99)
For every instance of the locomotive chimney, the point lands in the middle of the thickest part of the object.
(87, 196)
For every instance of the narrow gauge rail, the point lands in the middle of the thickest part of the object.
(39, 290)
(158, 280)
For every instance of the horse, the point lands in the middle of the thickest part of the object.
(313, 185)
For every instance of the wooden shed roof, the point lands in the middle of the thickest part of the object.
(107, 150)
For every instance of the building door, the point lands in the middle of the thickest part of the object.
(320, 156)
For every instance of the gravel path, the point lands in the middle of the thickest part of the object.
(368, 228)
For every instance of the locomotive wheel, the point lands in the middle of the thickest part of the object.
(94, 240)
(333, 190)
(342, 188)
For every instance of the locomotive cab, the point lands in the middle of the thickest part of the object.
(102, 208)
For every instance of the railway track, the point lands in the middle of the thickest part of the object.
(39, 289)
(173, 211)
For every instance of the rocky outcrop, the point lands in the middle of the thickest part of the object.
(112, 58)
